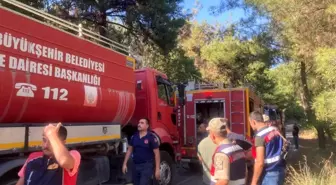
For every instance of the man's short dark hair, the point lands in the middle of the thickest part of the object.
(223, 131)
(256, 116)
(147, 120)
(228, 123)
(62, 133)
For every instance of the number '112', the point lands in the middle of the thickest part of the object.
(57, 94)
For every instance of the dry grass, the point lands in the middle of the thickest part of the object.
(305, 175)
(308, 134)
(311, 165)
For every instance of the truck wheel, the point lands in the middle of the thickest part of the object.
(166, 169)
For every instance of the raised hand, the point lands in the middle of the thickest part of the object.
(51, 129)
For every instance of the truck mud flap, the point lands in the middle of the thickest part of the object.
(94, 170)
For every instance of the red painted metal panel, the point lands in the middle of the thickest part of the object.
(190, 121)
(59, 77)
(142, 108)
(238, 111)
(180, 122)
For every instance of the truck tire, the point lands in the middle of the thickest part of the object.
(166, 169)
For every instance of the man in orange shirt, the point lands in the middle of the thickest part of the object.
(55, 165)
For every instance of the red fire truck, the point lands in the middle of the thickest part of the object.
(205, 102)
(49, 74)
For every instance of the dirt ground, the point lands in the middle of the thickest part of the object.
(309, 152)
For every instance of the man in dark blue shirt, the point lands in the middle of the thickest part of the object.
(145, 149)
(269, 165)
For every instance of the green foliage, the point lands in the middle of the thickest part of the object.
(326, 68)
(285, 77)
(223, 57)
(140, 22)
(238, 62)
(258, 76)
(325, 106)
(286, 94)
(156, 20)
(177, 66)
(294, 111)
(194, 36)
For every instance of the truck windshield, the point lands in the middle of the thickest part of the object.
(166, 93)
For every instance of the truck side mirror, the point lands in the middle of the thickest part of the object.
(181, 92)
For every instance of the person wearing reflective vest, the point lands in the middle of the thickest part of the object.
(228, 162)
(250, 157)
(269, 166)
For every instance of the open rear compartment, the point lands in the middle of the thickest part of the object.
(208, 109)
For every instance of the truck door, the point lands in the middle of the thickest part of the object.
(165, 106)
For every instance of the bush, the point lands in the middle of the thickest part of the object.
(305, 175)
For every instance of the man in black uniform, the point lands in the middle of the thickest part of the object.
(295, 133)
(201, 132)
(145, 149)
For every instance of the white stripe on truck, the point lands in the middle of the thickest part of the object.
(14, 136)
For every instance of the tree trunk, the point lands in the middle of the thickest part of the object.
(321, 136)
(330, 135)
(306, 103)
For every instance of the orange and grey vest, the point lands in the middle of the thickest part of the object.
(237, 164)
